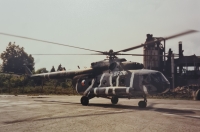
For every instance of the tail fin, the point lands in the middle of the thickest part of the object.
(27, 70)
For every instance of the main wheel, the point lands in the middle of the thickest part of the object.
(114, 100)
(142, 104)
(84, 100)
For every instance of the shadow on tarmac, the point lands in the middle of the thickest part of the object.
(107, 112)
(148, 108)
(119, 106)
(56, 102)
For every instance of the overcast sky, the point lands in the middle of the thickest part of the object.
(96, 24)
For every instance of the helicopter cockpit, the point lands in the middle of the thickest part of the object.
(155, 82)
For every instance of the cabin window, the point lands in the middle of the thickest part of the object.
(97, 81)
(122, 80)
(114, 82)
(104, 82)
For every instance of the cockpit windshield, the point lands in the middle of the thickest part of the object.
(158, 77)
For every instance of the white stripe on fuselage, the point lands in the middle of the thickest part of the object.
(76, 87)
(113, 91)
(89, 87)
(110, 79)
(106, 91)
(117, 81)
(127, 90)
(101, 79)
(145, 89)
(131, 80)
(95, 91)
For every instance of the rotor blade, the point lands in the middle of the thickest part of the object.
(49, 42)
(144, 55)
(160, 39)
(103, 54)
(67, 54)
(180, 34)
(137, 54)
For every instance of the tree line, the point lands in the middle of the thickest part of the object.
(12, 73)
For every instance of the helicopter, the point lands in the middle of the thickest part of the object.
(112, 78)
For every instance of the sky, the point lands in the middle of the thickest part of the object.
(96, 24)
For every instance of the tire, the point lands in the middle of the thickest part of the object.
(114, 100)
(84, 101)
(142, 104)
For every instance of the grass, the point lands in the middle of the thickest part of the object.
(46, 90)
(50, 90)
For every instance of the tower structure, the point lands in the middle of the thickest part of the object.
(154, 56)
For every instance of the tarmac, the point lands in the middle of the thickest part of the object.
(65, 113)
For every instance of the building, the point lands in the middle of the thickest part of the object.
(182, 70)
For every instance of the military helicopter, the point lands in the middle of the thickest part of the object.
(113, 78)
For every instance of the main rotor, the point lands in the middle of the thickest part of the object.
(110, 54)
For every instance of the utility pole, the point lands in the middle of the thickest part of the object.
(172, 70)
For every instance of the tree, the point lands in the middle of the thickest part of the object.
(41, 70)
(14, 58)
(1, 67)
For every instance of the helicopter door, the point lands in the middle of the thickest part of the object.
(137, 80)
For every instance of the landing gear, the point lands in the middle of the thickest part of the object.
(145, 99)
(114, 100)
(143, 104)
(84, 100)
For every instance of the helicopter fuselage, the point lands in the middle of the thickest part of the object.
(123, 84)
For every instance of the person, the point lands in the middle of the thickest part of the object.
(59, 68)
(53, 69)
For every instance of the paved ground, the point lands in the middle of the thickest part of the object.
(65, 113)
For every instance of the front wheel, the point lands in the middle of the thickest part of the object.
(84, 101)
(114, 100)
(142, 104)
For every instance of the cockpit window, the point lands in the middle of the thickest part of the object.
(164, 78)
(146, 79)
(158, 77)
